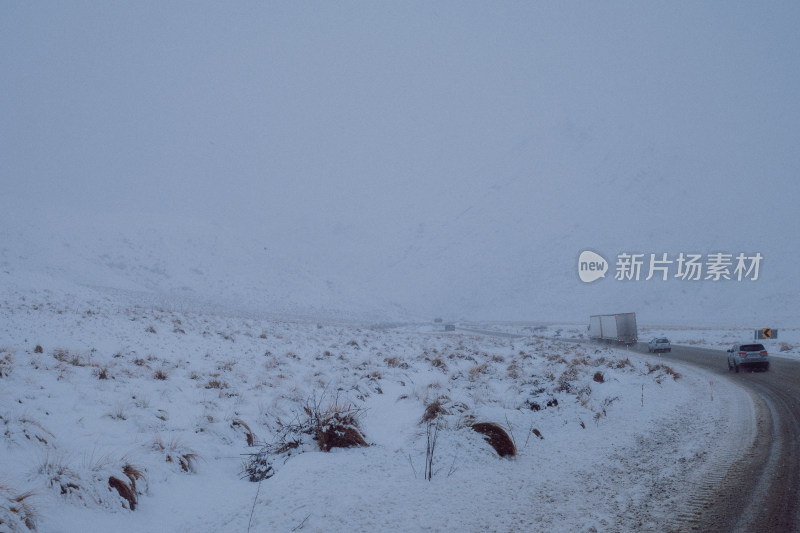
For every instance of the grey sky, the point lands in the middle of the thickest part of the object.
(431, 143)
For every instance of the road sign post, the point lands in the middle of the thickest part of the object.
(766, 333)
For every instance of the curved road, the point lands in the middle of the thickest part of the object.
(760, 491)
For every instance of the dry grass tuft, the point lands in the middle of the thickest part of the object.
(216, 384)
(438, 362)
(124, 490)
(433, 410)
(662, 369)
(16, 511)
(337, 427)
(250, 437)
(61, 355)
(619, 364)
(598, 377)
(478, 370)
(176, 453)
(396, 362)
(497, 438)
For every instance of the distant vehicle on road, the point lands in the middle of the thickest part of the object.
(619, 328)
(749, 355)
(659, 344)
(449, 327)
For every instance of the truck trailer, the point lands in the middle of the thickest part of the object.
(619, 328)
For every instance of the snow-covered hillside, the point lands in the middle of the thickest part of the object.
(403, 160)
(168, 403)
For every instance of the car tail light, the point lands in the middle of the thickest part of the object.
(763, 352)
(742, 354)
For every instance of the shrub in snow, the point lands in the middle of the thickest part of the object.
(497, 438)
(334, 426)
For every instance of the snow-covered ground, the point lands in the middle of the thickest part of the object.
(97, 385)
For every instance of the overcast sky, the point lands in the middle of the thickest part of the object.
(481, 142)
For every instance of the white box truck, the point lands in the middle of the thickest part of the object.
(619, 328)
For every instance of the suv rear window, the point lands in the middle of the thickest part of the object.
(752, 347)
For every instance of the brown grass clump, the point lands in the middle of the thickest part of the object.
(16, 508)
(175, 453)
(160, 374)
(338, 428)
(598, 377)
(250, 437)
(396, 362)
(433, 410)
(439, 363)
(619, 363)
(216, 384)
(662, 368)
(61, 355)
(497, 438)
(124, 490)
(38, 349)
(478, 370)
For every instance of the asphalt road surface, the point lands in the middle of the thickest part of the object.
(760, 491)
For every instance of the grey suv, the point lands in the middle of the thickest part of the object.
(659, 344)
(752, 355)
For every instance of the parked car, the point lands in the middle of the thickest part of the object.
(659, 344)
(750, 355)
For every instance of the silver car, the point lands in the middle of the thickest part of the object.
(659, 344)
(750, 355)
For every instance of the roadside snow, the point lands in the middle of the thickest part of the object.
(174, 394)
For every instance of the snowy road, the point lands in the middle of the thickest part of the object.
(760, 491)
